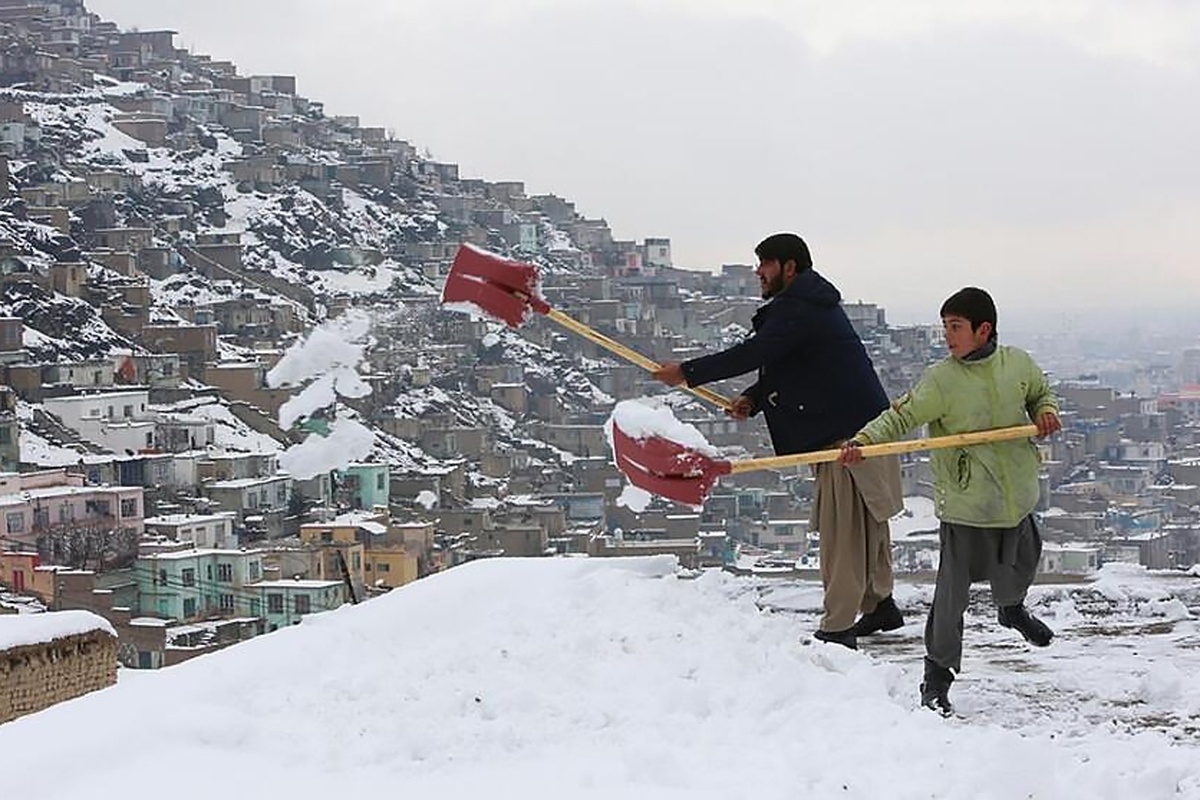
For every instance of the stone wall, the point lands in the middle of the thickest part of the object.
(36, 676)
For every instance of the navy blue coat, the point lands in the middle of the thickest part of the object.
(816, 384)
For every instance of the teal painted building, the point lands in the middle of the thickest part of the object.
(284, 602)
(365, 486)
(200, 582)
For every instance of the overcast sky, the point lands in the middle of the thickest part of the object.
(1047, 151)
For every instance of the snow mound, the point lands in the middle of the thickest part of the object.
(563, 678)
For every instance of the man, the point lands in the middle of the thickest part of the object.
(817, 387)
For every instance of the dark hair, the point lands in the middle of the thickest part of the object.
(784, 247)
(974, 305)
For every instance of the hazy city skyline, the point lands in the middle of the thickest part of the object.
(1047, 153)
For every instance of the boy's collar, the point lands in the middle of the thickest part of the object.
(981, 353)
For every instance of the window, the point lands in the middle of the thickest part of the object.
(303, 604)
(226, 602)
(368, 566)
(6, 435)
(110, 412)
(254, 570)
(274, 604)
(356, 561)
(127, 411)
(14, 521)
(225, 573)
(66, 512)
(189, 607)
(208, 571)
(162, 578)
(383, 566)
(255, 607)
(41, 518)
(380, 481)
(189, 577)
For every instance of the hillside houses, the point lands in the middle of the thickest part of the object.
(170, 228)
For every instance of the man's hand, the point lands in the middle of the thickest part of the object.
(851, 453)
(1047, 423)
(742, 407)
(669, 373)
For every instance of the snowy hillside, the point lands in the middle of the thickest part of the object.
(578, 678)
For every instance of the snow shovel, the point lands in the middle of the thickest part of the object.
(684, 474)
(507, 290)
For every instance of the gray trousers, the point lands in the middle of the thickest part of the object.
(1007, 557)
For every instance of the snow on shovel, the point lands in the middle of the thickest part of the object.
(685, 473)
(507, 290)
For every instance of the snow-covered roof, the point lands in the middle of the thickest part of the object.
(293, 584)
(25, 629)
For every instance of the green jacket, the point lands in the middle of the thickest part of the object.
(988, 485)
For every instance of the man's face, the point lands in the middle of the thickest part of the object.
(960, 339)
(771, 277)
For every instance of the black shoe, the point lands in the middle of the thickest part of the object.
(845, 638)
(935, 689)
(885, 617)
(1036, 632)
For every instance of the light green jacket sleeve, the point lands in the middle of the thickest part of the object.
(1039, 398)
(924, 404)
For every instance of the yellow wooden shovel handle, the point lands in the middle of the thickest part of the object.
(889, 448)
(632, 356)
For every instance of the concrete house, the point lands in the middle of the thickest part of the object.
(200, 582)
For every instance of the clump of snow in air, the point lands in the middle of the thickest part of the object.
(641, 419)
(583, 679)
(325, 364)
(426, 499)
(634, 498)
(348, 441)
(337, 343)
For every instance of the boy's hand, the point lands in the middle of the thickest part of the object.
(1047, 423)
(669, 373)
(741, 408)
(851, 453)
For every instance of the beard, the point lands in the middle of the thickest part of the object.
(772, 287)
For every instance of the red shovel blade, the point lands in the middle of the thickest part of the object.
(497, 286)
(666, 468)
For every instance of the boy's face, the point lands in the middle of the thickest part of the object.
(960, 339)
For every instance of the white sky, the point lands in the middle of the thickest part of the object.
(1050, 152)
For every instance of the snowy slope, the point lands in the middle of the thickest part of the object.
(574, 678)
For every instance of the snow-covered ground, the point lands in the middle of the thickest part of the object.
(605, 678)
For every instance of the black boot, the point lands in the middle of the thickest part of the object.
(885, 617)
(1036, 632)
(844, 638)
(935, 689)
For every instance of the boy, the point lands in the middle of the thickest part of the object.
(983, 495)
